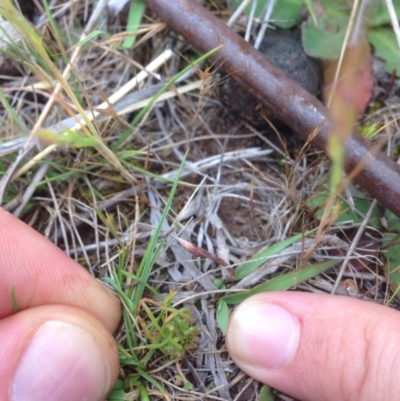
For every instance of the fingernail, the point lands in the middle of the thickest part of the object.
(62, 362)
(262, 334)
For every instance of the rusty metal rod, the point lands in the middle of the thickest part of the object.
(301, 111)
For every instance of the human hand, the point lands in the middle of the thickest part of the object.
(318, 347)
(59, 346)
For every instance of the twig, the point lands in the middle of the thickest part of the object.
(376, 173)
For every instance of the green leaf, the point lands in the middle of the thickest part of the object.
(346, 213)
(266, 394)
(155, 245)
(222, 316)
(392, 246)
(326, 40)
(310, 9)
(117, 393)
(11, 112)
(90, 36)
(285, 14)
(134, 19)
(381, 15)
(188, 386)
(14, 301)
(129, 154)
(262, 257)
(368, 130)
(392, 222)
(385, 46)
(282, 282)
(69, 137)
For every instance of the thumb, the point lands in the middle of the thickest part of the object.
(318, 347)
(57, 353)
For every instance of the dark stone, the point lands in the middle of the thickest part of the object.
(284, 49)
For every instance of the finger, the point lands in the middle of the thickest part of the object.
(318, 347)
(42, 274)
(57, 353)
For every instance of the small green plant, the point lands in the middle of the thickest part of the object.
(152, 327)
(279, 283)
(368, 130)
(170, 330)
(324, 31)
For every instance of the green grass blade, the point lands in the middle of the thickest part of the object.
(223, 316)
(282, 282)
(11, 111)
(154, 246)
(151, 380)
(90, 36)
(262, 257)
(135, 16)
(310, 9)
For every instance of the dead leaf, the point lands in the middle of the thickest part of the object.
(353, 90)
(200, 252)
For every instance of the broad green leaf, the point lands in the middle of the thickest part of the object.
(381, 16)
(392, 222)
(392, 265)
(334, 8)
(222, 316)
(266, 394)
(385, 47)
(285, 14)
(117, 393)
(282, 282)
(326, 40)
(262, 257)
(346, 213)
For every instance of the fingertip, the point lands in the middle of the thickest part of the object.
(315, 347)
(39, 273)
(58, 353)
(256, 324)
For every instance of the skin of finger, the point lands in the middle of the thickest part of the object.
(349, 350)
(17, 331)
(42, 274)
